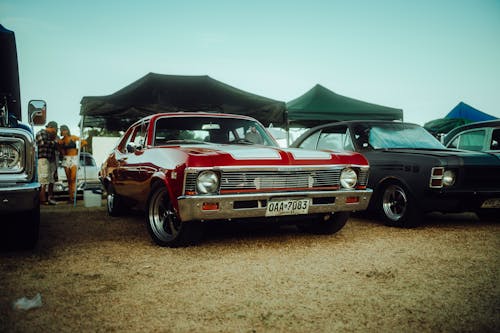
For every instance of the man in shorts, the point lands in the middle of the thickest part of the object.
(46, 140)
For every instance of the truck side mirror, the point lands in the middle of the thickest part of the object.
(37, 112)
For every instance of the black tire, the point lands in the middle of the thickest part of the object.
(20, 230)
(114, 203)
(326, 224)
(164, 225)
(397, 207)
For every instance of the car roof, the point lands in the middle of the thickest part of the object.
(362, 122)
(215, 114)
(479, 124)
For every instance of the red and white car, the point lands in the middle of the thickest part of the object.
(184, 169)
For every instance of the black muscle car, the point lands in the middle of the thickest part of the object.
(411, 172)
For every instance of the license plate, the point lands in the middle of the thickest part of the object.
(491, 203)
(288, 207)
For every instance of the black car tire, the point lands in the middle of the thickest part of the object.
(326, 224)
(20, 232)
(164, 225)
(30, 228)
(114, 202)
(397, 207)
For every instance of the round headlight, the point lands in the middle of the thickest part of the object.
(207, 182)
(449, 178)
(9, 156)
(348, 178)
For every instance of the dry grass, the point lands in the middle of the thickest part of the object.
(98, 274)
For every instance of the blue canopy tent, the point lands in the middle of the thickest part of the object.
(466, 111)
(460, 115)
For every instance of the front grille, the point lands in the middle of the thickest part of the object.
(480, 177)
(254, 180)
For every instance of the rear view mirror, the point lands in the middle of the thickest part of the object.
(210, 127)
(37, 112)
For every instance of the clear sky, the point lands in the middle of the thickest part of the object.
(421, 56)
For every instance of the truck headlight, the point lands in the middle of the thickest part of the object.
(11, 156)
(348, 178)
(207, 182)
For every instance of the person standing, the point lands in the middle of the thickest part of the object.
(69, 150)
(46, 140)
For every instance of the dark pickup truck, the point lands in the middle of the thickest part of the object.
(19, 186)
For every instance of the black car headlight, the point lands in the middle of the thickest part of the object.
(207, 182)
(449, 178)
(12, 155)
(348, 178)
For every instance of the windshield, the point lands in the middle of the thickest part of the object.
(222, 130)
(400, 135)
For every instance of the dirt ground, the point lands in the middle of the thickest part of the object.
(101, 274)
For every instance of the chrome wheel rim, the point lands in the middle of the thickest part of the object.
(162, 218)
(394, 202)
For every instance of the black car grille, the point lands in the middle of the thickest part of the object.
(278, 179)
(481, 178)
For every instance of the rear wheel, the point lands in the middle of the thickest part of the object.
(114, 203)
(397, 208)
(163, 223)
(326, 224)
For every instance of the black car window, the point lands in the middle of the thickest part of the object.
(336, 138)
(311, 142)
(472, 140)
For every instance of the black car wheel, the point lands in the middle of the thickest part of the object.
(114, 203)
(163, 224)
(326, 224)
(397, 207)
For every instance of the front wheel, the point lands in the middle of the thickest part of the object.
(397, 208)
(326, 224)
(163, 223)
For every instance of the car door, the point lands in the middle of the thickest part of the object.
(128, 172)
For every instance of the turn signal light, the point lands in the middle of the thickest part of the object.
(210, 206)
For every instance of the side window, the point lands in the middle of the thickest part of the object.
(311, 141)
(336, 138)
(454, 143)
(134, 140)
(472, 140)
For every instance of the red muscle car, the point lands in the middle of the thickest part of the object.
(184, 169)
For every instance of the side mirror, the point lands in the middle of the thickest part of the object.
(37, 112)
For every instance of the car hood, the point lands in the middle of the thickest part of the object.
(466, 156)
(220, 154)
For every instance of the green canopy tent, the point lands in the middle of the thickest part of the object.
(320, 105)
(154, 93)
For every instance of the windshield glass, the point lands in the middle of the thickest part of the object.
(400, 135)
(222, 130)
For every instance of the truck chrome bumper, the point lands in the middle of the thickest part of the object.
(254, 205)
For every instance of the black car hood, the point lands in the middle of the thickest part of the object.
(468, 157)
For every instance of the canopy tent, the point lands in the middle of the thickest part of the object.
(460, 115)
(444, 125)
(320, 105)
(466, 111)
(154, 93)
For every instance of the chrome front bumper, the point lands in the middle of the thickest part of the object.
(239, 206)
